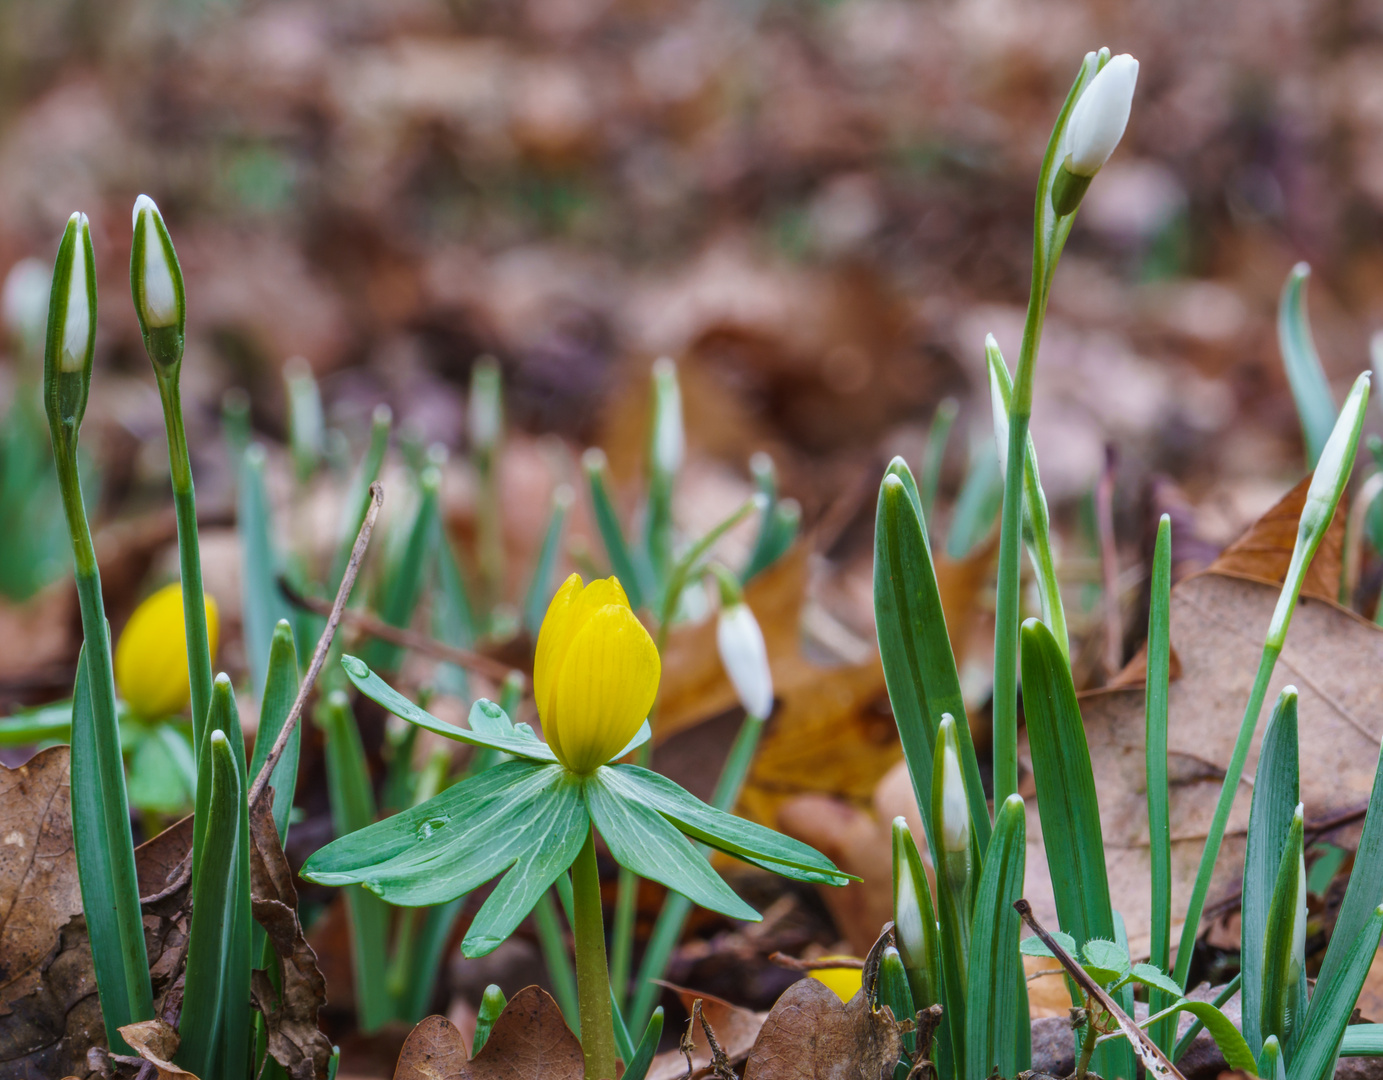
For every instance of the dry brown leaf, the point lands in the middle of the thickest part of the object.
(530, 1041)
(290, 1015)
(1370, 1003)
(48, 1010)
(735, 1029)
(156, 1042)
(434, 1050)
(809, 1033)
(1217, 625)
(1263, 553)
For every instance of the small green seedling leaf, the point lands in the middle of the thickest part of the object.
(1034, 945)
(1153, 977)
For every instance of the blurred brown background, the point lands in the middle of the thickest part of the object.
(820, 207)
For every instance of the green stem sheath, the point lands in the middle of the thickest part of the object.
(1007, 616)
(189, 555)
(1230, 788)
(592, 975)
(109, 766)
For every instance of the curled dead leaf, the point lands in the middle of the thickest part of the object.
(156, 1042)
(290, 1013)
(530, 1041)
(809, 1032)
(735, 1029)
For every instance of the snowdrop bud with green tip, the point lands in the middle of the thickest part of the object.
(1100, 116)
(669, 437)
(1096, 125)
(955, 811)
(157, 286)
(1322, 497)
(71, 337)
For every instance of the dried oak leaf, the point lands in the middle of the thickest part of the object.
(156, 1042)
(811, 1035)
(735, 1029)
(530, 1041)
(1218, 620)
(295, 1041)
(49, 1015)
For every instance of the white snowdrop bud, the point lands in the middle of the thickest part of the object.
(79, 319)
(156, 292)
(1100, 115)
(955, 811)
(742, 651)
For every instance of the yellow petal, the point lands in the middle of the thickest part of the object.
(607, 683)
(554, 637)
(151, 656)
(843, 982)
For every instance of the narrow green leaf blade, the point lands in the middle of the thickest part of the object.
(1066, 802)
(1310, 390)
(1317, 1044)
(352, 809)
(93, 864)
(263, 603)
(1275, 796)
(213, 914)
(404, 585)
(992, 998)
(280, 691)
(611, 534)
(540, 587)
(1155, 772)
(637, 1069)
(915, 648)
(1362, 1040)
(1365, 890)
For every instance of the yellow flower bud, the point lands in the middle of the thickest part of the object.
(151, 657)
(595, 675)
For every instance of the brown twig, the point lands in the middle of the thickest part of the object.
(1154, 1060)
(408, 639)
(319, 656)
(792, 963)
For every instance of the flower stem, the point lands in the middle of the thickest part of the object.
(189, 554)
(118, 842)
(592, 975)
(1228, 789)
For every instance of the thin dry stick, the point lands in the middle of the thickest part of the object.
(1109, 562)
(1154, 1060)
(409, 639)
(319, 657)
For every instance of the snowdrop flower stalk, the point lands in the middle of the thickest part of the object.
(160, 303)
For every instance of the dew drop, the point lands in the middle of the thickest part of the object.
(355, 666)
(431, 825)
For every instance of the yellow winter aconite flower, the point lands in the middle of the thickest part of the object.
(845, 982)
(151, 657)
(595, 674)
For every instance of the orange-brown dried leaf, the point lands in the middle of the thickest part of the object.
(810, 1032)
(735, 1029)
(434, 1050)
(290, 1011)
(1264, 552)
(530, 1041)
(156, 1042)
